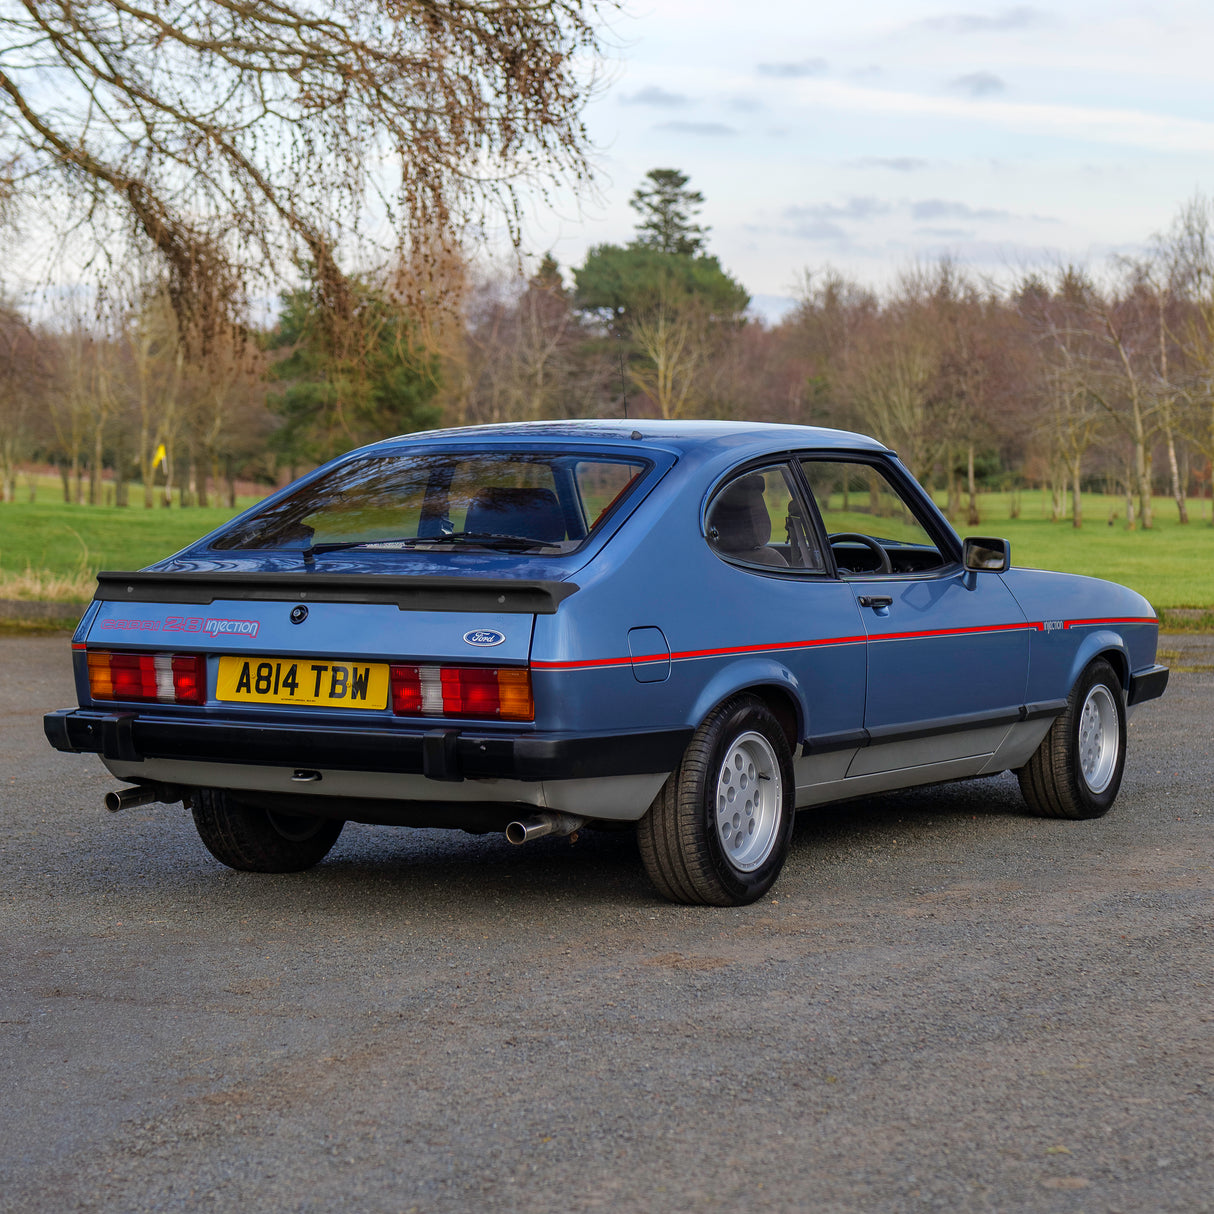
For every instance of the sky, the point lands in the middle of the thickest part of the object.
(872, 135)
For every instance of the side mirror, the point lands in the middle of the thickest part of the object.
(986, 555)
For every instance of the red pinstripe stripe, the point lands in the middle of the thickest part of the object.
(1128, 619)
(687, 654)
(955, 632)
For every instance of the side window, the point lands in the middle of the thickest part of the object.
(758, 518)
(870, 526)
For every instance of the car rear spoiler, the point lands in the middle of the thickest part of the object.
(423, 593)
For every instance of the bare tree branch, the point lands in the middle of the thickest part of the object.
(234, 137)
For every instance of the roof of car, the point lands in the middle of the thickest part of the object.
(678, 435)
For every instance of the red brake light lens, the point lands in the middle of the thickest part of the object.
(160, 678)
(463, 691)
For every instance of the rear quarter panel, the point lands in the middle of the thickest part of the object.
(727, 628)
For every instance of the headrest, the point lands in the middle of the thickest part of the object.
(740, 516)
(534, 514)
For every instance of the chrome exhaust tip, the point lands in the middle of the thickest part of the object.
(140, 794)
(539, 825)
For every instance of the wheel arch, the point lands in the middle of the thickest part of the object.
(771, 682)
(1103, 644)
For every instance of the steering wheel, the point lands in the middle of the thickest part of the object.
(883, 566)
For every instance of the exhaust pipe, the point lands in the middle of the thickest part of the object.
(539, 825)
(141, 794)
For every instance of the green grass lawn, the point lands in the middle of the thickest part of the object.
(1172, 565)
(51, 549)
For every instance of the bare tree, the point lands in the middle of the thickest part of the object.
(1186, 251)
(24, 380)
(232, 136)
(1123, 387)
(672, 339)
(1068, 416)
(891, 379)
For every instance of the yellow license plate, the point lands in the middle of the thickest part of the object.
(315, 682)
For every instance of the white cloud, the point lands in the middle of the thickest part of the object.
(978, 84)
(1136, 128)
(940, 208)
(696, 128)
(656, 96)
(899, 164)
(794, 71)
(1022, 16)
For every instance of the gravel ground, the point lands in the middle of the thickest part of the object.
(945, 1005)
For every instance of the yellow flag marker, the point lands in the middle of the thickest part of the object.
(160, 456)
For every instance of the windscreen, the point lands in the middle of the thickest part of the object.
(508, 501)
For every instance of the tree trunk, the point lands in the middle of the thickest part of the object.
(95, 468)
(1130, 525)
(1178, 493)
(1142, 472)
(67, 484)
(973, 518)
(147, 472)
(121, 495)
(1076, 500)
(228, 472)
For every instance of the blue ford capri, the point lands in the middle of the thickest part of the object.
(696, 627)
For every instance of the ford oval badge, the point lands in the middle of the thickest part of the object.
(484, 637)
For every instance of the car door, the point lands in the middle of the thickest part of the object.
(791, 608)
(947, 649)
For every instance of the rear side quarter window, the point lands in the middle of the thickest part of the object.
(758, 518)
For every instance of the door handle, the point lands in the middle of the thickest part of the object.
(875, 600)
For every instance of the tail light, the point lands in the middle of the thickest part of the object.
(463, 691)
(162, 678)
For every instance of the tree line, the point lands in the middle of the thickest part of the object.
(1062, 378)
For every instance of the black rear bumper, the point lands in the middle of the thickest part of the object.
(441, 754)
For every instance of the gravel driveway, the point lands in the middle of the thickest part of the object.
(945, 1005)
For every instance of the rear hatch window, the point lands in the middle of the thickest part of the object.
(538, 502)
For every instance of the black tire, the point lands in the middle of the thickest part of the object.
(1075, 773)
(694, 852)
(257, 841)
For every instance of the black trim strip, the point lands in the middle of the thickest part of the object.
(429, 593)
(942, 725)
(1148, 684)
(441, 754)
(824, 743)
(885, 734)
